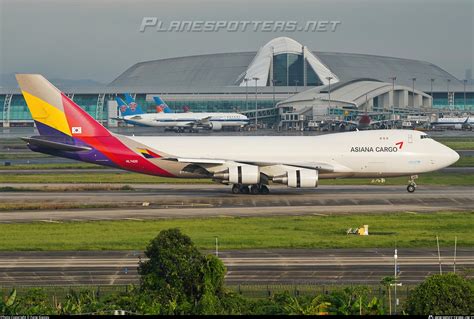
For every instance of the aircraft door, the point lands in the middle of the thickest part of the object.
(410, 138)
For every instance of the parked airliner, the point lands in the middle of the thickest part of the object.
(248, 163)
(178, 121)
(457, 123)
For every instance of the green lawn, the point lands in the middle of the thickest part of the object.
(95, 177)
(457, 143)
(52, 166)
(386, 230)
(464, 161)
(132, 178)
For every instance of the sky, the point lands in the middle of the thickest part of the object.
(100, 39)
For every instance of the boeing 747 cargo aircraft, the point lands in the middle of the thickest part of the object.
(248, 163)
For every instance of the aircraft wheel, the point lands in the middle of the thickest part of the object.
(411, 188)
(235, 189)
(244, 190)
(254, 189)
(264, 190)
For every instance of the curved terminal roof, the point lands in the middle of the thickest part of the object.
(354, 92)
(209, 70)
(203, 72)
(261, 64)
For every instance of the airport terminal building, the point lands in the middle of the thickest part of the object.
(289, 84)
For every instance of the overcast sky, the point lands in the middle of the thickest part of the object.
(98, 40)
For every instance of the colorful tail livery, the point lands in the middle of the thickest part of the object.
(125, 109)
(161, 105)
(133, 106)
(68, 131)
(130, 107)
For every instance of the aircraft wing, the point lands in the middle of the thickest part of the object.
(205, 163)
(200, 122)
(204, 120)
(53, 145)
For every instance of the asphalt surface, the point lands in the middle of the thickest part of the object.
(290, 266)
(188, 200)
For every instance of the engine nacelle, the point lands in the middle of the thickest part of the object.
(241, 174)
(299, 178)
(216, 126)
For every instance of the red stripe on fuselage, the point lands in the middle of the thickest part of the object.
(97, 136)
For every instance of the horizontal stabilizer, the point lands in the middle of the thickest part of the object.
(54, 145)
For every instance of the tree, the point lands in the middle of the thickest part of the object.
(35, 301)
(445, 294)
(387, 282)
(181, 278)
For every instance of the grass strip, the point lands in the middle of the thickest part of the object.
(408, 230)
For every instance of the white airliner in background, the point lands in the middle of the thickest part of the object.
(132, 114)
(457, 123)
(248, 163)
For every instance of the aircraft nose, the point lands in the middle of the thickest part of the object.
(454, 156)
(451, 157)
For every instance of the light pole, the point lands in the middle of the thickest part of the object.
(455, 251)
(464, 82)
(447, 83)
(256, 104)
(246, 93)
(432, 80)
(329, 78)
(296, 86)
(395, 257)
(413, 91)
(217, 247)
(274, 82)
(393, 78)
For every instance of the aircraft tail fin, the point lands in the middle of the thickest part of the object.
(135, 109)
(162, 105)
(125, 109)
(53, 112)
(68, 131)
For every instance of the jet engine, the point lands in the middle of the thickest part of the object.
(216, 126)
(298, 178)
(241, 174)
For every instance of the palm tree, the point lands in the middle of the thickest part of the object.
(387, 282)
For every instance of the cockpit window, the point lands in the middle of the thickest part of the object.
(425, 136)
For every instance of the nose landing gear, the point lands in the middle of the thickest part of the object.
(411, 184)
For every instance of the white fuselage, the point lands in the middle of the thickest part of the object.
(456, 122)
(189, 119)
(351, 154)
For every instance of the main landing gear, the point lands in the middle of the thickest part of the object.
(411, 184)
(253, 189)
